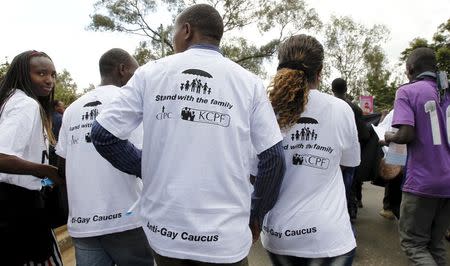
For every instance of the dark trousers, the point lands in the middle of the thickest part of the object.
(166, 261)
(422, 226)
(393, 195)
(283, 260)
(348, 176)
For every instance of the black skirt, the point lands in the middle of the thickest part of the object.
(25, 233)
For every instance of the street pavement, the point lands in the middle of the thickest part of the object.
(377, 237)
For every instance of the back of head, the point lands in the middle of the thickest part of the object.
(339, 86)
(111, 59)
(204, 19)
(421, 60)
(300, 63)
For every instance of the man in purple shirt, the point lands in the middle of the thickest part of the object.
(422, 115)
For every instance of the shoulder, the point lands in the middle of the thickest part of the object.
(416, 85)
(159, 63)
(21, 102)
(330, 100)
(241, 72)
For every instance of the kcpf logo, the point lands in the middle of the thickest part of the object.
(205, 116)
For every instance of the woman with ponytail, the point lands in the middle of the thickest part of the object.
(309, 224)
(26, 94)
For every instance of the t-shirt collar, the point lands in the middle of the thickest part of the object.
(205, 46)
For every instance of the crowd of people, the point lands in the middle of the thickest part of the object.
(157, 172)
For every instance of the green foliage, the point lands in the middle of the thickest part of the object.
(440, 43)
(377, 78)
(348, 45)
(88, 89)
(285, 18)
(414, 44)
(3, 68)
(65, 88)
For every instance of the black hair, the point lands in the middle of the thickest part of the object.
(18, 77)
(205, 19)
(55, 103)
(339, 86)
(421, 60)
(111, 59)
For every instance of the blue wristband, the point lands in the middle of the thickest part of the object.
(46, 182)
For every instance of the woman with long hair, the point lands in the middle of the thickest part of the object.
(309, 224)
(26, 94)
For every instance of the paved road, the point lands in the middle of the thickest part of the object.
(377, 237)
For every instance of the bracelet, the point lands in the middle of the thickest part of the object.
(46, 182)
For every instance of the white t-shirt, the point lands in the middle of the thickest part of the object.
(310, 218)
(22, 135)
(99, 195)
(202, 113)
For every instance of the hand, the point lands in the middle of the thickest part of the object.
(388, 137)
(383, 143)
(256, 230)
(50, 172)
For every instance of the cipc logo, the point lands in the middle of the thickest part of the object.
(163, 115)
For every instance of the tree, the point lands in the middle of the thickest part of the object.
(89, 88)
(414, 44)
(3, 68)
(377, 78)
(65, 88)
(347, 44)
(440, 44)
(277, 17)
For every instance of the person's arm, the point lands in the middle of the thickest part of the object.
(61, 163)
(271, 168)
(403, 119)
(266, 139)
(11, 164)
(120, 153)
(404, 135)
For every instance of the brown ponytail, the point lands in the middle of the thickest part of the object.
(300, 63)
(289, 96)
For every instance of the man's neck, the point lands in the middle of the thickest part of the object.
(207, 46)
(110, 81)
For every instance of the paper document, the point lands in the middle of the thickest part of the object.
(396, 154)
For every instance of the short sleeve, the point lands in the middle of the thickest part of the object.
(124, 113)
(403, 111)
(16, 127)
(254, 163)
(351, 153)
(264, 128)
(61, 146)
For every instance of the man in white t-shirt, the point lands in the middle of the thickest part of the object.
(202, 114)
(99, 195)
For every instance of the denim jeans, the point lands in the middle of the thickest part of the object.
(124, 248)
(167, 261)
(283, 260)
